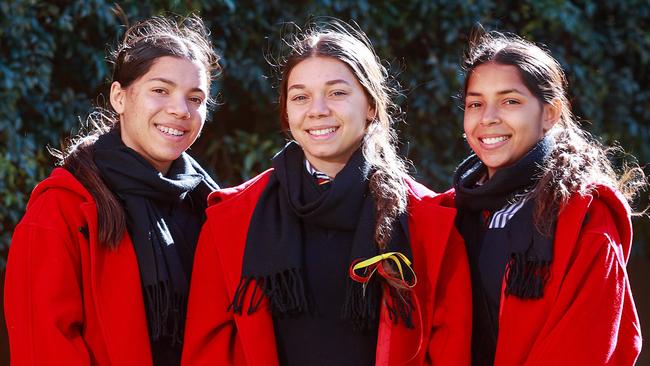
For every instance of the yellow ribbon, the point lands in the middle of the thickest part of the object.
(396, 257)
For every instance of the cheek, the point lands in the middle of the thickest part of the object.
(202, 114)
(140, 106)
(293, 130)
(293, 117)
(292, 124)
(468, 125)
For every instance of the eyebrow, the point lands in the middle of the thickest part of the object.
(329, 82)
(501, 92)
(167, 81)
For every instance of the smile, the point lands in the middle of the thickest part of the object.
(322, 132)
(494, 140)
(170, 131)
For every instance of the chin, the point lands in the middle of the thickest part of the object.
(317, 153)
(169, 156)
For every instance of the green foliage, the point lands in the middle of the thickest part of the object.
(53, 68)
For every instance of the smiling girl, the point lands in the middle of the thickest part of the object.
(314, 262)
(545, 219)
(99, 266)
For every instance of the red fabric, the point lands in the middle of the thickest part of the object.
(587, 315)
(69, 300)
(215, 336)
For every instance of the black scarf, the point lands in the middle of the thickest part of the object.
(528, 267)
(273, 258)
(156, 239)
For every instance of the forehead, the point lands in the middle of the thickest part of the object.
(493, 76)
(314, 70)
(185, 73)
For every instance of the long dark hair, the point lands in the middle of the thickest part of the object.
(142, 45)
(578, 160)
(340, 41)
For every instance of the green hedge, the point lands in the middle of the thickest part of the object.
(52, 68)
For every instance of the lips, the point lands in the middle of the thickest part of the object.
(170, 131)
(322, 131)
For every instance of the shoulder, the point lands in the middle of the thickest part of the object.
(54, 215)
(420, 195)
(252, 188)
(602, 213)
(230, 209)
(238, 200)
(59, 195)
(609, 213)
(599, 205)
(431, 215)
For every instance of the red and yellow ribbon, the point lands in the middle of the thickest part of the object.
(401, 262)
(374, 264)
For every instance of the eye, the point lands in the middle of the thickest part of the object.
(511, 101)
(197, 100)
(299, 98)
(339, 93)
(471, 105)
(159, 91)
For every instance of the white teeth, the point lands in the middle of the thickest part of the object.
(170, 131)
(324, 131)
(494, 140)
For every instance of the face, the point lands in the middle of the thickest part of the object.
(163, 111)
(503, 119)
(327, 111)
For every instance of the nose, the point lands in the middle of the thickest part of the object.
(318, 107)
(490, 115)
(178, 108)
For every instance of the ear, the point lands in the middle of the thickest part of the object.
(371, 114)
(118, 96)
(551, 114)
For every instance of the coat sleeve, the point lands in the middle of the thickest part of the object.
(593, 320)
(210, 331)
(450, 341)
(43, 296)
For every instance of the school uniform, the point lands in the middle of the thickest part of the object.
(69, 300)
(587, 315)
(546, 297)
(72, 300)
(215, 334)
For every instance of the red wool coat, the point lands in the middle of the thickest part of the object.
(69, 300)
(587, 315)
(215, 336)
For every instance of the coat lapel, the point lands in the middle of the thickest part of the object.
(396, 344)
(255, 330)
(117, 295)
(522, 321)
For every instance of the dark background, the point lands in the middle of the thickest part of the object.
(53, 69)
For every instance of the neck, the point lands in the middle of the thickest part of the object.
(162, 168)
(329, 168)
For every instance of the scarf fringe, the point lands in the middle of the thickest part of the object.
(361, 305)
(526, 276)
(166, 315)
(401, 306)
(285, 291)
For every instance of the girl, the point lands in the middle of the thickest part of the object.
(544, 217)
(314, 262)
(99, 266)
